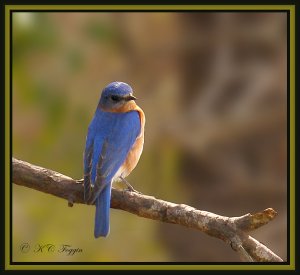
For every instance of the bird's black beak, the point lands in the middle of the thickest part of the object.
(131, 97)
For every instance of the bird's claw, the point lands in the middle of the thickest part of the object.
(129, 186)
(81, 181)
(131, 189)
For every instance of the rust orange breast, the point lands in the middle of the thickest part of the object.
(136, 150)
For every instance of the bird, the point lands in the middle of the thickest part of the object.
(114, 144)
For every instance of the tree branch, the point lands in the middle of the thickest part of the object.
(232, 230)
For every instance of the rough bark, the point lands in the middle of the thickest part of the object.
(232, 230)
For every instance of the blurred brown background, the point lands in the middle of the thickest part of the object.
(214, 90)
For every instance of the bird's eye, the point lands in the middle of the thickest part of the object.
(115, 98)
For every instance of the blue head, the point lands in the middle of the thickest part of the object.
(115, 96)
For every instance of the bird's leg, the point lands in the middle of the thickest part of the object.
(129, 186)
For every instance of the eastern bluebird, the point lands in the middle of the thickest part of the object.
(114, 144)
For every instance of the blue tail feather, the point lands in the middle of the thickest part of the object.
(102, 213)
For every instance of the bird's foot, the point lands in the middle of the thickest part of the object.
(129, 186)
(79, 181)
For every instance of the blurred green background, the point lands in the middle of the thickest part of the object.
(213, 88)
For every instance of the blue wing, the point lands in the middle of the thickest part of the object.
(110, 138)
